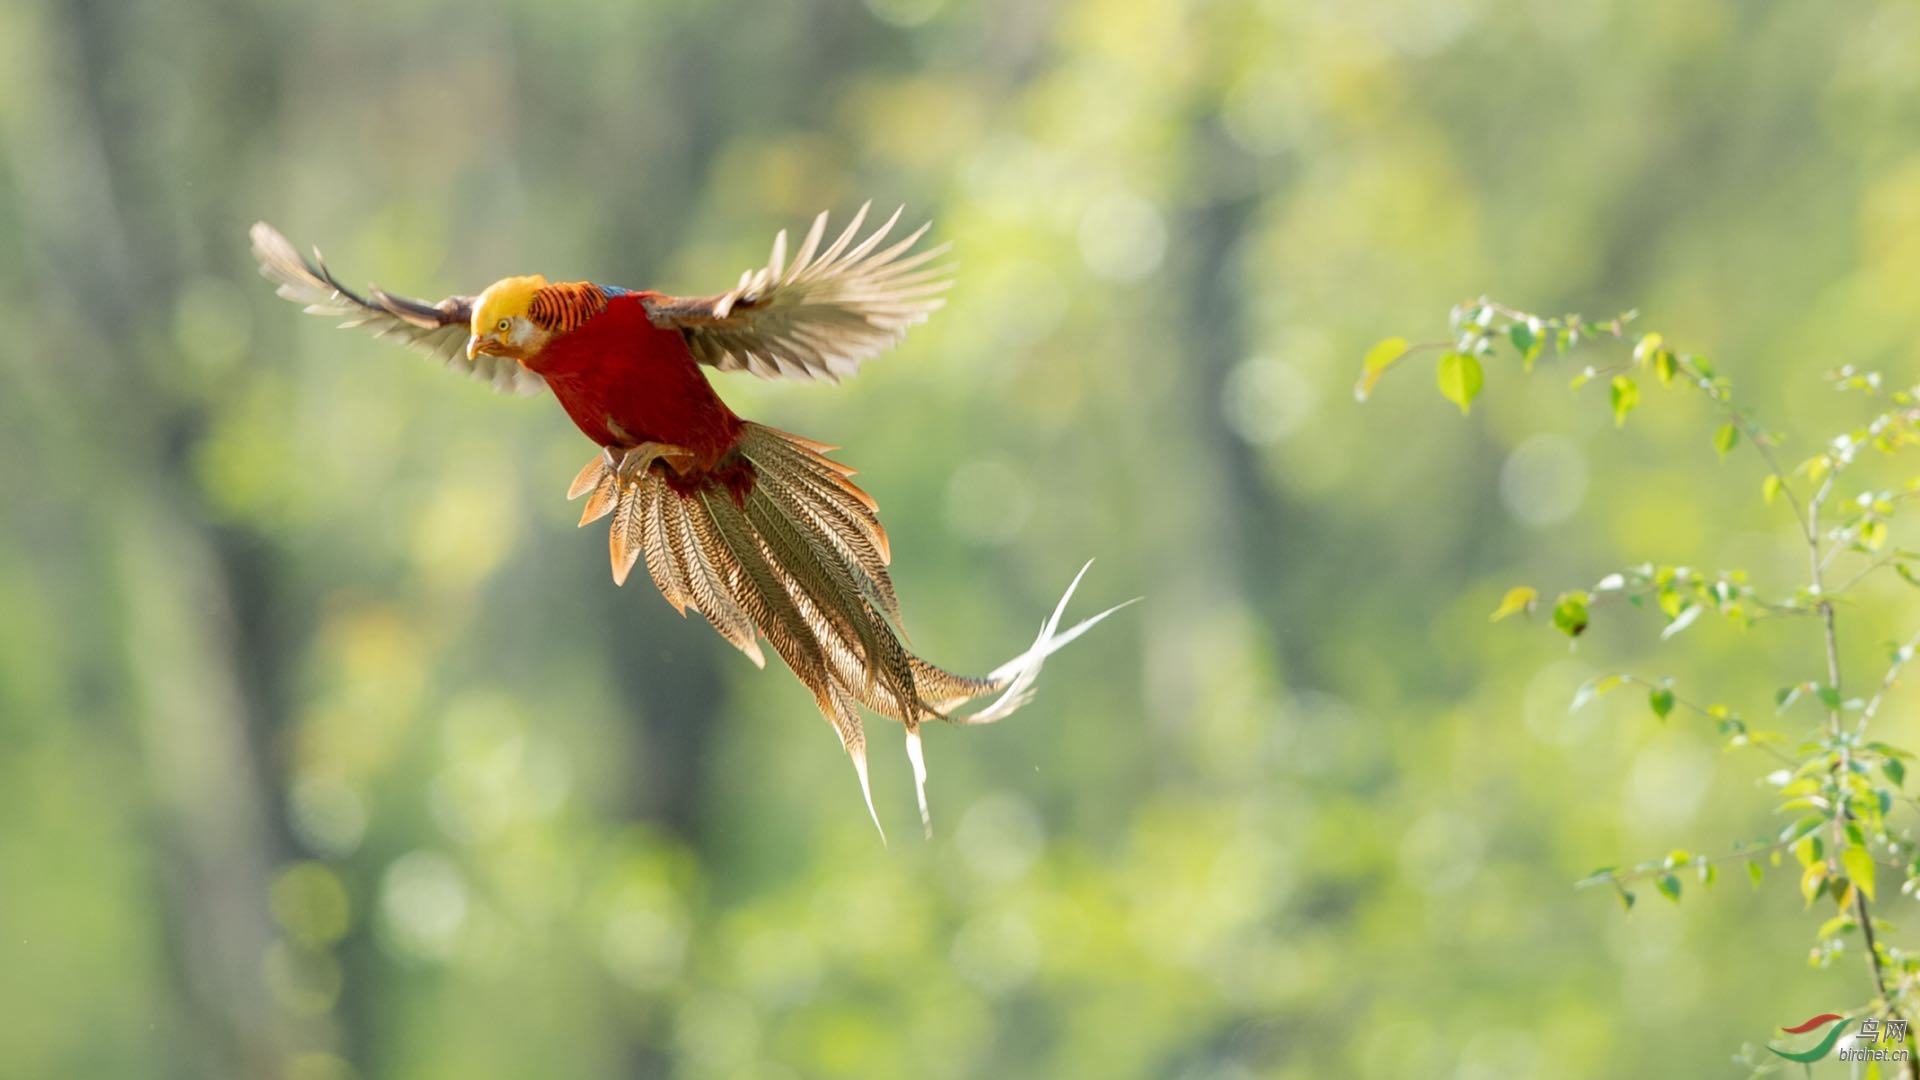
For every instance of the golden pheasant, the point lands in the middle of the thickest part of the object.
(758, 530)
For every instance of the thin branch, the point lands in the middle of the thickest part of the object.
(1644, 873)
(1761, 441)
(1831, 639)
(1880, 563)
(1900, 658)
(1769, 748)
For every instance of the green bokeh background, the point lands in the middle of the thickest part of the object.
(328, 750)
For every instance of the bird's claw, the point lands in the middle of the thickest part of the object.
(635, 460)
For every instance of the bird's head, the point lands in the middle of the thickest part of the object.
(500, 323)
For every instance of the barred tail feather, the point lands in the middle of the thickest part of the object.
(786, 549)
(1014, 680)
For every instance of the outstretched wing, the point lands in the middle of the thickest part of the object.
(439, 330)
(822, 314)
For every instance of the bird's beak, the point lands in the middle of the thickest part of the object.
(474, 343)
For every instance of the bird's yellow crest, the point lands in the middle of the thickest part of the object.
(507, 298)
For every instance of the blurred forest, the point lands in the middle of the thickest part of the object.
(330, 751)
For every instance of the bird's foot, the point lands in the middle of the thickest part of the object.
(635, 460)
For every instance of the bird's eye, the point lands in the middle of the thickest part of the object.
(504, 325)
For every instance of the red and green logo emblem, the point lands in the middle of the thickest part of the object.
(1826, 1043)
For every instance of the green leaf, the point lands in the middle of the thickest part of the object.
(1626, 900)
(1896, 771)
(1664, 366)
(1754, 873)
(1661, 699)
(1829, 696)
(1671, 602)
(1625, 394)
(1725, 438)
(1835, 926)
(1382, 356)
(1460, 379)
(1681, 621)
(1814, 876)
(1570, 613)
(1769, 488)
(1524, 341)
(1858, 862)
(1593, 688)
(1519, 598)
(1669, 887)
(1801, 830)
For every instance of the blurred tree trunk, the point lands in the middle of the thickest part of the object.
(1214, 513)
(161, 571)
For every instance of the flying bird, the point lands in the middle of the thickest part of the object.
(756, 529)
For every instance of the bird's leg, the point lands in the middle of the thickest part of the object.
(636, 459)
(681, 459)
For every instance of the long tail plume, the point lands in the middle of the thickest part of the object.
(778, 544)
